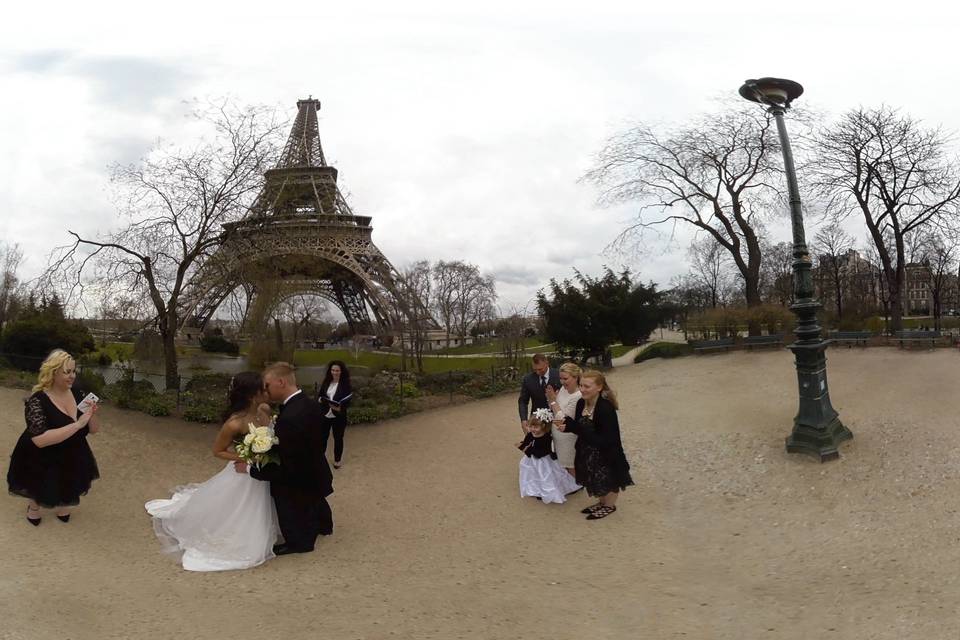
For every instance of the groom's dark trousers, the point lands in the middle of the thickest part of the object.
(302, 481)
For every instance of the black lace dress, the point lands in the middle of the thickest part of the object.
(600, 463)
(56, 475)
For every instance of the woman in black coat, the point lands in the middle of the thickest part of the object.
(600, 463)
(334, 398)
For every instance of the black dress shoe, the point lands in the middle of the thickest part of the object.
(282, 550)
(65, 518)
(34, 521)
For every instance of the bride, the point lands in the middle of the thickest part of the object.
(229, 521)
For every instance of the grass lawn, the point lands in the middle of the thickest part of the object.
(376, 361)
(117, 350)
(493, 346)
(619, 349)
(946, 322)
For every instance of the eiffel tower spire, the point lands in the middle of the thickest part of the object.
(303, 146)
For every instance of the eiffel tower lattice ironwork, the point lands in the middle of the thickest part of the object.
(300, 237)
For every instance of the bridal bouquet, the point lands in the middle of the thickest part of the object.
(256, 447)
(545, 416)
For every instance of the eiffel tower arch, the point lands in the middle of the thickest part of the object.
(299, 237)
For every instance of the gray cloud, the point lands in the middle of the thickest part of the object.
(130, 82)
(126, 82)
(41, 61)
(517, 275)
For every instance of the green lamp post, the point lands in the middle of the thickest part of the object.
(817, 429)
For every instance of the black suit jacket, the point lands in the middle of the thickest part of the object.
(530, 391)
(303, 467)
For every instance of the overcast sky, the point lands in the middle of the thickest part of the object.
(463, 132)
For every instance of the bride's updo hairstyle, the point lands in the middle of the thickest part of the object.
(243, 387)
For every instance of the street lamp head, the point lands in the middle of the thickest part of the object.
(774, 92)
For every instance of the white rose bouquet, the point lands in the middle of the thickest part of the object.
(256, 447)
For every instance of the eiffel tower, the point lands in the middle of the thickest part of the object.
(299, 237)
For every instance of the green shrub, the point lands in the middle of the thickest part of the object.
(158, 405)
(129, 394)
(201, 408)
(209, 384)
(664, 350)
(28, 341)
(219, 344)
(90, 381)
(362, 415)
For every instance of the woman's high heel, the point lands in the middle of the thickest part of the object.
(34, 521)
(65, 518)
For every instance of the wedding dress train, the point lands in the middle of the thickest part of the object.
(228, 522)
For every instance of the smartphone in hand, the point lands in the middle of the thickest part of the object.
(89, 400)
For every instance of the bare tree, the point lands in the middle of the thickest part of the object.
(896, 174)
(411, 298)
(173, 205)
(300, 312)
(937, 260)
(831, 246)
(462, 297)
(777, 273)
(710, 175)
(708, 267)
(444, 295)
(11, 256)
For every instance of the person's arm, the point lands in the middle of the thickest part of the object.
(607, 432)
(290, 469)
(225, 437)
(94, 423)
(524, 403)
(527, 440)
(37, 424)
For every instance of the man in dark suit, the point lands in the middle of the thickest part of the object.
(532, 388)
(302, 480)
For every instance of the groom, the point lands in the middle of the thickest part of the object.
(302, 481)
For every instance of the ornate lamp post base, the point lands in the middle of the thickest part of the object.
(817, 429)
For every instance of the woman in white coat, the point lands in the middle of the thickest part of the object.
(563, 403)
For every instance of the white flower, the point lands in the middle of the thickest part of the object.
(262, 445)
(543, 415)
(260, 439)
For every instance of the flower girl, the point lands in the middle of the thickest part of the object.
(541, 476)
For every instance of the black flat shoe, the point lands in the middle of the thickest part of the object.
(601, 513)
(34, 521)
(65, 518)
(591, 508)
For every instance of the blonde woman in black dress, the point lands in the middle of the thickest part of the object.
(600, 463)
(52, 464)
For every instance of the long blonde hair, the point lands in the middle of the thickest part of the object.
(57, 360)
(605, 390)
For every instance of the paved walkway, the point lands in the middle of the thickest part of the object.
(666, 335)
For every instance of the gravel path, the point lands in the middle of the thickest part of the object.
(724, 536)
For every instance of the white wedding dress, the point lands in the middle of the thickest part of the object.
(228, 522)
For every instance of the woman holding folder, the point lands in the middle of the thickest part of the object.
(335, 395)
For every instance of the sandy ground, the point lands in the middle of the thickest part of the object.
(724, 536)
